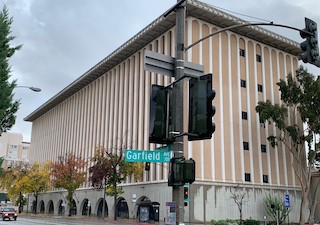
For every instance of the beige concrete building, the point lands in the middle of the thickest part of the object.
(13, 149)
(111, 101)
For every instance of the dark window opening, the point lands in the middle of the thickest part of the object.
(245, 145)
(258, 58)
(242, 52)
(243, 83)
(260, 88)
(247, 177)
(263, 148)
(265, 179)
(244, 115)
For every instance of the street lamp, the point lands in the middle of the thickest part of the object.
(35, 89)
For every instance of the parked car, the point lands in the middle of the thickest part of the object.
(9, 213)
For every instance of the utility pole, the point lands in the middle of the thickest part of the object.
(177, 109)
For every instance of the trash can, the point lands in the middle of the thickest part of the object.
(156, 211)
(149, 211)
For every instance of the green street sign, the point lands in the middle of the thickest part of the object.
(165, 148)
(147, 156)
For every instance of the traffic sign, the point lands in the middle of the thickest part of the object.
(164, 64)
(165, 148)
(147, 156)
(287, 200)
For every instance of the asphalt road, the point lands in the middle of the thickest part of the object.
(43, 220)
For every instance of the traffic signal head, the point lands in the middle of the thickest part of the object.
(310, 45)
(159, 115)
(186, 193)
(176, 172)
(189, 171)
(201, 109)
(181, 171)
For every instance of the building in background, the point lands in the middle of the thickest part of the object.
(112, 100)
(13, 149)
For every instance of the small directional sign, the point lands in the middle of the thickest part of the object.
(165, 148)
(163, 64)
(287, 200)
(147, 156)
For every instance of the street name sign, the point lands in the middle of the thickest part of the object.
(164, 64)
(147, 156)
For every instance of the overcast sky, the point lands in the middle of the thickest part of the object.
(62, 39)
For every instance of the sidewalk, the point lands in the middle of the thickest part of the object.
(96, 219)
(107, 220)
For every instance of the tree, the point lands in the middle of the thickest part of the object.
(110, 169)
(37, 180)
(24, 178)
(13, 181)
(273, 204)
(68, 173)
(8, 106)
(314, 195)
(300, 98)
(240, 198)
(1, 162)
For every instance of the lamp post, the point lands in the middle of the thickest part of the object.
(35, 89)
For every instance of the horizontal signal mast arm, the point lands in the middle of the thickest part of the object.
(245, 25)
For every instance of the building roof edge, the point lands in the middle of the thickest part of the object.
(160, 25)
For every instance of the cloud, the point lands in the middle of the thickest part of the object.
(63, 39)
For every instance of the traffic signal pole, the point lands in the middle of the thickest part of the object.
(178, 109)
(177, 131)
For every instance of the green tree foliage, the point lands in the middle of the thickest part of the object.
(272, 204)
(68, 173)
(109, 169)
(12, 180)
(8, 106)
(1, 162)
(315, 193)
(37, 179)
(300, 97)
(24, 178)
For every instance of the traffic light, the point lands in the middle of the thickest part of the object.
(181, 171)
(310, 45)
(159, 115)
(189, 171)
(147, 166)
(186, 193)
(201, 109)
(175, 177)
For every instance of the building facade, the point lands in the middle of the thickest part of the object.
(111, 102)
(13, 149)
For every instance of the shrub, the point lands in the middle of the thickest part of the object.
(219, 222)
(223, 222)
(251, 222)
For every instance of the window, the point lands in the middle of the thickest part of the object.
(244, 115)
(265, 179)
(245, 145)
(260, 88)
(247, 177)
(258, 58)
(263, 148)
(242, 52)
(243, 83)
